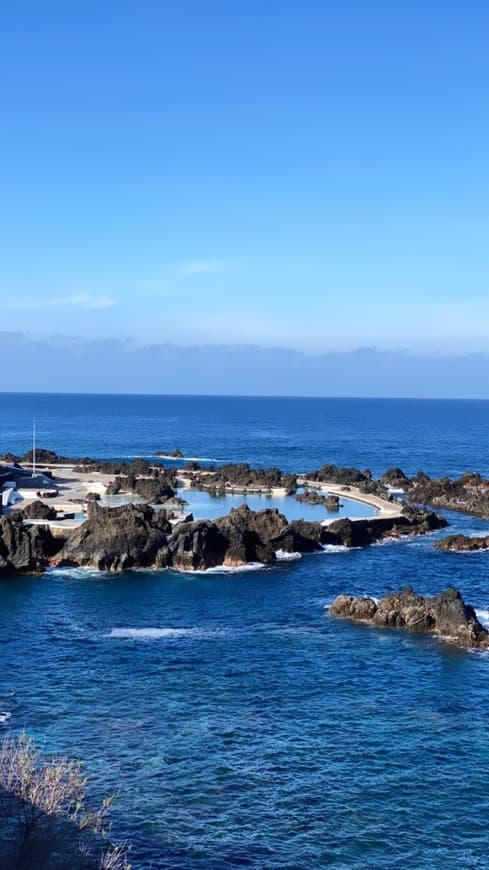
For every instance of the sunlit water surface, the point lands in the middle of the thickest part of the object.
(238, 723)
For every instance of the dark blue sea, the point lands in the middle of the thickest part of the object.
(239, 724)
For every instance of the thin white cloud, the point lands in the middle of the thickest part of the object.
(79, 300)
(198, 267)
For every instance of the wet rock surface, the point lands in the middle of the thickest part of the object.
(362, 533)
(446, 615)
(462, 543)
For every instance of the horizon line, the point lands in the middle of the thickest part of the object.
(247, 396)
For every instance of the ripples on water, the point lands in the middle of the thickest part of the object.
(241, 725)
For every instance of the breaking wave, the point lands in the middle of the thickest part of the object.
(226, 569)
(283, 556)
(151, 633)
(483, 617)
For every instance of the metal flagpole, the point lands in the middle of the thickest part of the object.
(33, 448)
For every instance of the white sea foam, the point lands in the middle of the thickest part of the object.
(483, 616)
(153, 633)
(226, 569)
(357, 595)
(82, 572)
(188, 458)
(4, 716)
(283, 556)
(336, 548)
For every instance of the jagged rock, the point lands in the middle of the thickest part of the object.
(240, 537)
(312, 496)
(374, 487)
(336, 474)
(243, 477)
(26, 549)
(174, 454)
(462, 543)
(355, 608)
(114, 539)
(469, 494)
(195, 546)
(395, 477)
(250, 533)
(299, 536)
(445, 614)
(37, 510)
(361, 533)
(155, 490)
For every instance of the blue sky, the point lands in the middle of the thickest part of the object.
(305, 175)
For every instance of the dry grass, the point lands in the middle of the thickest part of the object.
(45, 819)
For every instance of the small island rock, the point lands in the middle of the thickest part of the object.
(446, 614)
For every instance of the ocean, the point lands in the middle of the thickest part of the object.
(236, 722)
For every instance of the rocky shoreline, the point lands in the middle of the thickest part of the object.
(469, 493)
(137, 536)
(445, 615)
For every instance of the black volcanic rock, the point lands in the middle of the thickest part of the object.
(154, 490)
(445, 614)
(395, 477)
(299, 536)
(313, 496)
(361, 533)
(37, 510)
(240, 537)
(43, 456)
(462, 543)
(114, 539)
(196, 545)
(339, 475)
(25, 549)
(242, 476)
(469, 494)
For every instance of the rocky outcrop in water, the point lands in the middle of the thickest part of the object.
(300, 536)
(154, 490)
(395, 477)
(445, 614)
(242, 476)
(468, 494)
(136, 536)
(336, 474)
(240, 537)
(362, 533)
(312, 496)
(25, 549)
(116, 539)
(462, 543)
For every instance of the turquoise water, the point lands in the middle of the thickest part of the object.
(239, 724)
(204, 505)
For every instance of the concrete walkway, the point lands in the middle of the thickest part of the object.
(387, 509)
